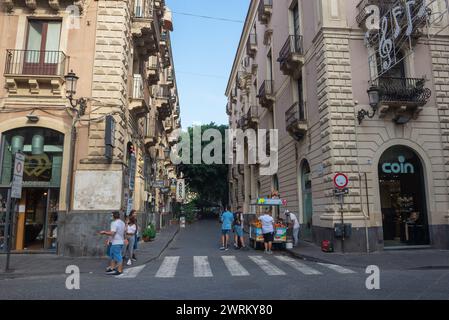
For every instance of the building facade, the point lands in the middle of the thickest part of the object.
(304, 67)
(109, 151)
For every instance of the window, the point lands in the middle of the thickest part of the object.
(301, 111)
(42, 46)
(269, 66)
(296, 26)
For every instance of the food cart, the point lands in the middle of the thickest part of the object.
(255, 227)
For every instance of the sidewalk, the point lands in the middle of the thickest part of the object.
(25, 265)
(389, 259)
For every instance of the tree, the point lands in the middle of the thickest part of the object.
(209, 181)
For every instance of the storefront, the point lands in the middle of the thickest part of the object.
(35, 223)
(403, 198)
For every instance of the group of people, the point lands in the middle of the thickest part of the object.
(122, 242)
(234, 221)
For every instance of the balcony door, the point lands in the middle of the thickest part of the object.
(42, 47)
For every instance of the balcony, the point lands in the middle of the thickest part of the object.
(251, 45)
(252, 117)
(153, 70)
(291, 56)
(164, 100)
(402, 94)
(138, 104)
(295, 122)
(265, 10)
(266, 94)
(35, 72)
(170, 78)
(168, 125)
(145, 28)
(176, 112)
(150, 134)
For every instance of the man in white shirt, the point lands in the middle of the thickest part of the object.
(294, 224)
(267, 230)
(117, 235)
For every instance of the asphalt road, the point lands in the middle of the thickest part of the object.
(193, 267)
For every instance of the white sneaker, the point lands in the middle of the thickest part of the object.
(129, 262)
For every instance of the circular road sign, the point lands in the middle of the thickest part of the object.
(341, 181)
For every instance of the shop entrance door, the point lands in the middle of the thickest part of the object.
(403, 199)
(39, 226)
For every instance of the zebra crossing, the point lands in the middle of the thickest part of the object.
(202, 267)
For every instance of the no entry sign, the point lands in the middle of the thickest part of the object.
(340, 181)
(16, 187)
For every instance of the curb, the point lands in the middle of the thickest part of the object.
(163, 248)
(306, 257)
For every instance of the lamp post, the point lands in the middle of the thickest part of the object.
(71, 80)
(374, 99)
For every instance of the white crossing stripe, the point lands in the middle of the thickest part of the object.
(130, 273)
(201, 267)
(337, 268)
(266, 266)
(168, 267)
(301, 267)
(234, 267)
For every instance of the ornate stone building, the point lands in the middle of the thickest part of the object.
(109, 152)
(304, 67)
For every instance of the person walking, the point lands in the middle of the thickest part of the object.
(117, 234)
(226, 225)
(131, 236)
(136, 240)
(267, 230)
(294, 224)
(239, 241)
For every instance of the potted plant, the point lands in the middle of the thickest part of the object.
(149, 233)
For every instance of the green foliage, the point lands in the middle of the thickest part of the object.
(189, 212)
(149, 232)
(209, 181)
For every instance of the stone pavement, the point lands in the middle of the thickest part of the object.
(388, 259)
(26, 265)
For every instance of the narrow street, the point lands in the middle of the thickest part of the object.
(192, 267)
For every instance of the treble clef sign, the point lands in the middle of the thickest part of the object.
(385, 46)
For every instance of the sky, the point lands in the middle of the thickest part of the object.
(204, 51)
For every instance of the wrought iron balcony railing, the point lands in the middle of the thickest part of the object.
(291, 56)
(251, 46)
(396, 91)
(295, 121)
(264, 10)
(143, 9)
(35, 62)
(266, 89)
(293, 45)
(137, 92)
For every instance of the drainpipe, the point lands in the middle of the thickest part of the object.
(363, 211)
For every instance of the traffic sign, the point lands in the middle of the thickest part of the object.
(341, 181)
(17, 180)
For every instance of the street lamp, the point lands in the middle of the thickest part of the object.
(71, 80)
(374, 99)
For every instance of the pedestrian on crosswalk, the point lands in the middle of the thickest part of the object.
(131, 230)
(239, 241)
(117, 232)
(226, 225)
(268, 230)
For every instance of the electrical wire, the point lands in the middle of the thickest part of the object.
(208, 17)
